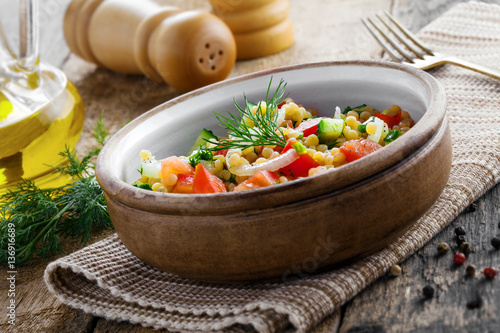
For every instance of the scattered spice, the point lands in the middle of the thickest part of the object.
(465, 248)
(460, 239)
(470, 270)
(490, 272)
(460, 231)
(428, 291)
(443, 247)
(475, 304)
(395, 270)
(459, 258)
(495, 242)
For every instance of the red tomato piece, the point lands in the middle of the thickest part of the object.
(300, 167)
(204, 182)
(175, 165)
(222, 152)
(184, 184)
(309, 126)
(355, 149)
(389, 120)
(260, 179)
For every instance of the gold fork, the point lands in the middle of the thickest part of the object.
(406, 48)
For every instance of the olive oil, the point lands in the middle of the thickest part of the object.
(30, 143)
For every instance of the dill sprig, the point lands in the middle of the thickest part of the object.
(41, 216)
(265, 130)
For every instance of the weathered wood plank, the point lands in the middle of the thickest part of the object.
(396, 304)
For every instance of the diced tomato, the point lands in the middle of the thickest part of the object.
(175, 165)
(309, 126)
(287, 123)
(184, 184)
(288, 145)
(300, 167)
(204, 182)
(260, 179)
(355, 149)
(279, 149)
(222, 152)
(389, 120)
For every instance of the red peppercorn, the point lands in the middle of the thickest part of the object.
(459, 258)
(490, 272)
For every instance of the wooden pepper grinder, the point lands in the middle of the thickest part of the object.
(260, 27)
(186, 49)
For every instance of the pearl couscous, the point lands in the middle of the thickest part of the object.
(275, 142)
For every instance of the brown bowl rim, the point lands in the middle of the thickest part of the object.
(227, 203)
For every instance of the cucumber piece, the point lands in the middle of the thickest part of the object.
(330, 129)
(201, 140)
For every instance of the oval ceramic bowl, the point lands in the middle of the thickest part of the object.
(293, 229)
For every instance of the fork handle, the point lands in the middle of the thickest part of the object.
(490, 71)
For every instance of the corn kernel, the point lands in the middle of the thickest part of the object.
(249, 122)
(293, 134)
(234, 159)
(145, 154)
(267, 152)
(365, 115)
(334, 151)
(260, 160)
(368, 108)
(252, 157)
(225, 174)
(218, 165)
(222, 158)
(339, 157)
(329, 160)
(311, 152)
(171, 179)
(312, 140)
(394, 110)
(346, 130)
(155, 186)
(352, 135)
(353, 114)
(319, 157)
(404, 115)
(230, 187)
(322, 148)
(283, 180)
(371, 128)
(240, 179)
(161, 189)
(243, 161)
(288, 110)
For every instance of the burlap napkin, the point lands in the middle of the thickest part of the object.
(106, 280)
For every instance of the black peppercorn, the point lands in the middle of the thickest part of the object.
(459, 231)
(495, 242)
(465, 248)
(473, 207)
(470, 270)
(428, 291)
(460, 239)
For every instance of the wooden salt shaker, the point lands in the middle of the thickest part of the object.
(186, 49)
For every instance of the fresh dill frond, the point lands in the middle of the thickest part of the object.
(37, 218)
(263, 128)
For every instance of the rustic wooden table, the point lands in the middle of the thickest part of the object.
(325, 30)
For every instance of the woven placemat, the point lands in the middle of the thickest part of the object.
(106, 280)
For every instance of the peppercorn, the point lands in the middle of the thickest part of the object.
(395, 270)
(490, 272)
(473, 207)
(495, 242)
(459, 258)
(428, 291)
(470, 270)
(465, 248)
(459, 231)
(460, 239)
(443, 247)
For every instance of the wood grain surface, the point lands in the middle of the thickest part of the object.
(324, 30)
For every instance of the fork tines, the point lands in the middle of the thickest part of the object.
(398, 41)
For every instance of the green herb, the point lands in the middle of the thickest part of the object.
(145, 186)
(201, 154)
(41, 216)
(265, 130)
(392, 135)
(356, 108)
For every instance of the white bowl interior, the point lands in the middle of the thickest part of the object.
(172, 128)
